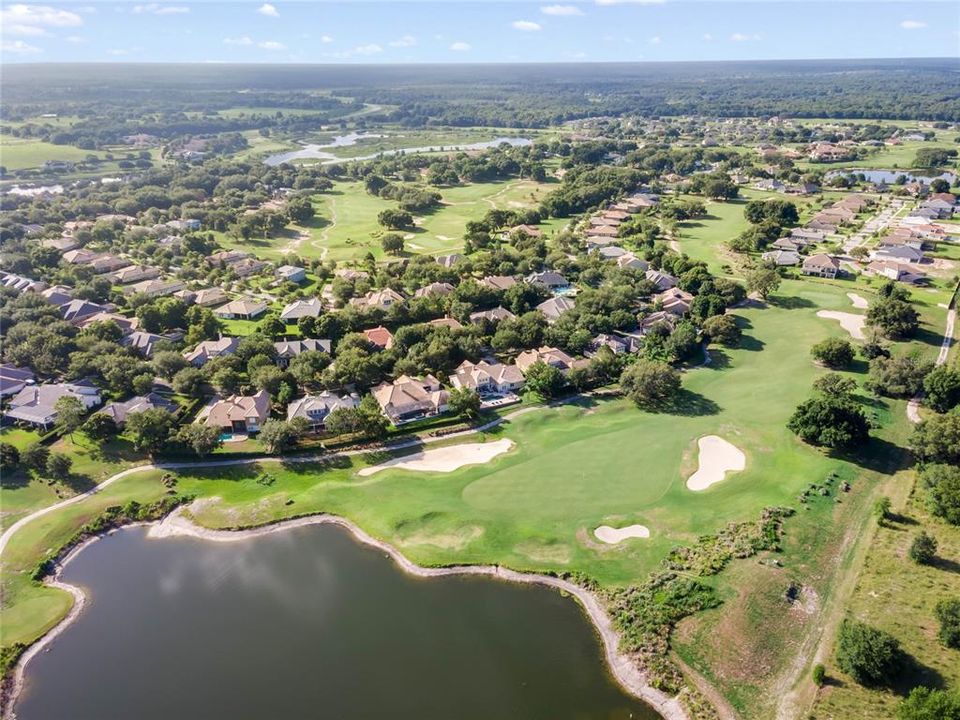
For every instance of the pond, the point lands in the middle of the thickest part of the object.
(319, 152)
(890, 176)
(309, 623)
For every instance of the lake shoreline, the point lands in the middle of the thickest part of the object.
(625, 670)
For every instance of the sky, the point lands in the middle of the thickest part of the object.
(448, 31)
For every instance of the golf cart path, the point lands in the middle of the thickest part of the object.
(913, 406)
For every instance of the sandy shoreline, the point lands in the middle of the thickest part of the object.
(624, 669)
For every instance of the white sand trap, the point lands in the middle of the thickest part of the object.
(858, 301)
(612, 535)
(717, 458)
(445, 459)
(853, 324)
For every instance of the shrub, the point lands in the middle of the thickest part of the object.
(650, 383)
(943, 491)
(948, 613)
(829, 421)
(819, 674)
(868, 655)
(926, 704)
(923, 548)
(897, 377)
(937, 439)
(941, 389)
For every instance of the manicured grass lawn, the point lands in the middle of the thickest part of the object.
(19, 437)
(346, 224)
(19, 153)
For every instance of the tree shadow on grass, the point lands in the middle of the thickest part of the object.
(946, 564)
(719, 359)
(748, 342)
(790, 302)
(689, 404)
(914, 673)
(928, 337)
(79, 483)
(15, 479)
(879, 455)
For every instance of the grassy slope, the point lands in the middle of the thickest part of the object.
(19, 153)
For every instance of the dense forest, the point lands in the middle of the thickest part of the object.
(502, 95)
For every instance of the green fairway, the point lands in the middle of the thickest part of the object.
(18, 153)
(346, 225)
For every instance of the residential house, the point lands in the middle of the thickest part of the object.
(495, 315)
(119, 411)
(61, 244)
(652, 320)
(80, 256)
(781, 258)
(238, 413)
(615, 343)
(20, 283)
(135, 273)
(241, 310)
(447, 322)
(899, 253)
(76, 310)
(380, 337)
(291, 273)
(549, 355)
(410, 398)
(674, 301)
(611, 252)
(208, 297)
(154, 288)
(58, 295)
(895, 271)
(287, 350)
(632, 262)
(662, 280)
(434, 288)
(145, 343)
(107, 264)
(13, 379)
(529, 230)
(553, 308)
(209, 349)
(227, 257)
(351, 274)
(315, 408)
(487, 378)
(36, 404)
(821, 265)
(553, 281)
(498, 282)
(448, 261)
(247, 266)
(604, 231)
(382, 299)
(311, 307)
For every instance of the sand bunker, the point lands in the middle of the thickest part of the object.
(612, 535)
(445, 459)
(853, 324)
(858, 301)
(717, 458)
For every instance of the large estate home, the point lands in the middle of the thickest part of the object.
(238, 414)
(410, 398)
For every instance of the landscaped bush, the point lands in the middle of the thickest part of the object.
(833, 352)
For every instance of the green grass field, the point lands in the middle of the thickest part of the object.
(346, 225)
(19, 153)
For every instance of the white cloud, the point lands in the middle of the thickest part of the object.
(525, 25)
(708, 37)
(33, 21)
(75, 39)
(118, 52)
(656, 40)
(19, 47)
(577, 55)
(271, 45)
(242, 40)
(913, 24)
(268, 10)
(405, 41)
(158, 9)
(631, 2)
(563, 10)
(743, 37)
(326, 39)
(460, 46)
(369, 49)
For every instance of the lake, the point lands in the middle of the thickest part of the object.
(319, 152)
(890, 176)
(309, 623)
